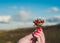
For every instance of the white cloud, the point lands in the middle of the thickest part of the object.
(14, 24)
(54, 19)
(13, 7)
(5, 18)
(53, 9)
(57, 16)
(21, 7)
(24, 14)
(49, 24)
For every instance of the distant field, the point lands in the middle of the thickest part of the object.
(52, 34)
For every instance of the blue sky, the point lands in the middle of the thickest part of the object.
(14, 13)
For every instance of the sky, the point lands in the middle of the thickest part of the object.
(21, 13)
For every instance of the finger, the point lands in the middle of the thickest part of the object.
(37, 31)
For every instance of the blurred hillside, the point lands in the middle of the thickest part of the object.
(52, 34)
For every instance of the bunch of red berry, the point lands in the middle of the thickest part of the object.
(38, 22)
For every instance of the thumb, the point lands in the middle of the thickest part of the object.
(29, 36)
(38, 38)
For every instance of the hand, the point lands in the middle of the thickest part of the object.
(27, 39)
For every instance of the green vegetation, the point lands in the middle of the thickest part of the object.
(52, 34)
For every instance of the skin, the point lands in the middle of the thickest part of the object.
(27, 39)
